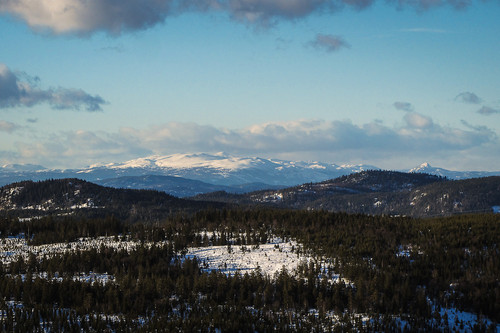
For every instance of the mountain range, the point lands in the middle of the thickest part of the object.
(372, 192)
(185, 175)
(377, 192)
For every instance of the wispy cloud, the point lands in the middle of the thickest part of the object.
(423, 5)
(116, 48)
(487, 111)
(115, 17)
(403, 106)
(18, 90)
(328, 43)
(468, 97)
(6, 126)
(425, 30)
(418, 138)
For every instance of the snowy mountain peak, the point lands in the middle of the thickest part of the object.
(190, 161)
(216, 169)
(424, 167)
(224, 169)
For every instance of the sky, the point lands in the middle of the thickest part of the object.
(387, 83)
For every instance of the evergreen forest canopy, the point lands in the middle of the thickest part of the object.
(401, 270)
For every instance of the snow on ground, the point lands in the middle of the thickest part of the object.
(269, 258)
(12, 248)
(91, 277)
(460, 321)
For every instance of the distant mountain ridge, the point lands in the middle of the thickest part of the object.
(377, 192)
(178, 186)
(427, 168)
(213, 172)
(217, 172)
(224, 169)
(373, 192)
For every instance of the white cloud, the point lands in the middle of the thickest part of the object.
(84, 17)
(417, 121)
(419, 139)
(16, 92)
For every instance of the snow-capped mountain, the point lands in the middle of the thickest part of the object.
(217, 172)
(427, 168)
(224, 169)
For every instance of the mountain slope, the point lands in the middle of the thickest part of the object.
(457, 175)
(217, 172)
(79, 197)
(178, 186)
(227, 170)
(218, 169)
(380, 192)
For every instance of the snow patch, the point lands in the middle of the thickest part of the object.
(269, 259)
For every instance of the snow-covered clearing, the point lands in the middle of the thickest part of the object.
(268, 258)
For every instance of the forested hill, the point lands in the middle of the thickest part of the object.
(80, 197)
(381, 192)
(372, 192)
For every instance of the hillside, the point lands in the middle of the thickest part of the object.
(371, 192)
(380, 192)
(79, 197)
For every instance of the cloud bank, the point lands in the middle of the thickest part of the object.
(84, 17)
(16, 92)
(418, 138)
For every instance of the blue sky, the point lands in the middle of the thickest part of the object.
(388, 83)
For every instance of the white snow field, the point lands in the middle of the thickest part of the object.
(268, 258)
